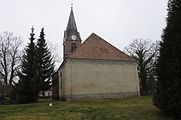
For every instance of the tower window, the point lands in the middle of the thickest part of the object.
(73, 47)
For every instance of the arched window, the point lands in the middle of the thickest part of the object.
(73, 47)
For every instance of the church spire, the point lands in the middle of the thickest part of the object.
(71, 26)
(71, 35)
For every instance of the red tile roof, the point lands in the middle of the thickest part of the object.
(94, 47)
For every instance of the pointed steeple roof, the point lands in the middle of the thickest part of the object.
(71, 26)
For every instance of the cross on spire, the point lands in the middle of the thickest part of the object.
(72, 5)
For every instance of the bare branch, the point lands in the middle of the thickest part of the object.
(9, 56)
(145, 52)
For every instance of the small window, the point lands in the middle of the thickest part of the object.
(60, 80)
(73, 47)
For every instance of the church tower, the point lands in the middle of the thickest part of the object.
(71, 36)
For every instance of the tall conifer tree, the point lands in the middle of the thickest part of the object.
(168, 91)
(25, 90)
(45, 64)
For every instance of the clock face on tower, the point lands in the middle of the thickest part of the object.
(73, 37)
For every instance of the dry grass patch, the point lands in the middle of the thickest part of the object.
(138, 108)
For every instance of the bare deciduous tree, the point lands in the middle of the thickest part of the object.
(9, 57)
(145, 52)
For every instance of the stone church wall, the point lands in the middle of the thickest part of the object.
(89, 79)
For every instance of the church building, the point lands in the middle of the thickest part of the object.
(93, 69)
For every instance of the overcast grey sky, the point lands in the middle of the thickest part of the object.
(116, 21)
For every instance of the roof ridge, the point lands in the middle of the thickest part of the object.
(113, 46)
(92, 49)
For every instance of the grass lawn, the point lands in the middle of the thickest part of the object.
(139, 108)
